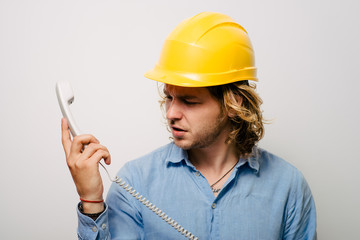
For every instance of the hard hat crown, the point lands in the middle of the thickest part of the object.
(206, 50)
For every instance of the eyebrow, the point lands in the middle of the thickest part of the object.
(185, 96)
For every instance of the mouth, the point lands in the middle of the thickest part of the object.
(178, 132)
(177, 129)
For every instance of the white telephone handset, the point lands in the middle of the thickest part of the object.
(65, 96)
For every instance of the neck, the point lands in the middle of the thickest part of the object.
(215, 161)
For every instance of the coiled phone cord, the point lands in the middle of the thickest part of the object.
(150, 206)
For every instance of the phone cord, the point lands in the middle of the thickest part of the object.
(150, 206)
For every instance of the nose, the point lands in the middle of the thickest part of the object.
(173, 111)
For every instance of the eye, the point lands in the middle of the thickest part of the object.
(187, 102)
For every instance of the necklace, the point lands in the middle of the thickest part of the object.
(216, 190)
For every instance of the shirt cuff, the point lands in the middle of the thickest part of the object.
(91, 230)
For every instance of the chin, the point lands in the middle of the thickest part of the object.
(182, 144)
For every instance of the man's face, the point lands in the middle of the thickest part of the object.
(194, 117)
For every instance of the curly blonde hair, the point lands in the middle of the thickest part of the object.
(245, 114)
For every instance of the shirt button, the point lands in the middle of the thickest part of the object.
(94, 229)
(103, 226)
(213, 205)
(197, 174)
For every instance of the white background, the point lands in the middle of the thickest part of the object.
(307, 54)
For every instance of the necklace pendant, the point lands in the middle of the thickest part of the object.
(215, 190)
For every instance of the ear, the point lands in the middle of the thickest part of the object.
(231, 113)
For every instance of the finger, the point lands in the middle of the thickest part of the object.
(108, 160)
(81, 140)
(91, 149)
(100, 154)
(65, 136)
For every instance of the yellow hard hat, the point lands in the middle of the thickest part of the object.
(208, 49)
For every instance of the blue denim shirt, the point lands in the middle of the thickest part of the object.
(264, 198)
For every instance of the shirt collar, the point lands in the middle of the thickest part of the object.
(176, 155)
(254, 164)
(254, 159)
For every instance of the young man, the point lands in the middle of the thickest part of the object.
(212, 178)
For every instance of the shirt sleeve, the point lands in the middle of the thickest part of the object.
(125, 218)
(121, 219)
(93, 230)
(300, 213)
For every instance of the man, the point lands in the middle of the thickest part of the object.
(212, 178)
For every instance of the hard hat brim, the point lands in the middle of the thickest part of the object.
(200, 80)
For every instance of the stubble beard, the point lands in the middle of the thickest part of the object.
(205, 137)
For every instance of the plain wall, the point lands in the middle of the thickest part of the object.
(307, 54)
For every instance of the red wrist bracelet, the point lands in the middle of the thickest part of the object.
(83, 200)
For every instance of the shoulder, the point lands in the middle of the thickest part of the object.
(156, 157)
(270, 163)
(150, 162)
(147, 172)
(281, 172)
